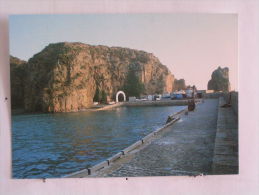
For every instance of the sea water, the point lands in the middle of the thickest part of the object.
(53, 145)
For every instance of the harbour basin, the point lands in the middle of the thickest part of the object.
(53, 145)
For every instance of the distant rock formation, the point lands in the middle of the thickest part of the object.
(65, 77)
(179, 84)
(17, 80)
(219, 80)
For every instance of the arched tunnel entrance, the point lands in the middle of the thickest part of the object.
(120, 96)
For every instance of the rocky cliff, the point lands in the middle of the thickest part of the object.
(17, 69)
(219, 80)
(64, 77)
(179, 84)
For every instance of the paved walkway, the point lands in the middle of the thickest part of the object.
(185, 148)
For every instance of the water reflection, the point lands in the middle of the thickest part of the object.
(52, 145)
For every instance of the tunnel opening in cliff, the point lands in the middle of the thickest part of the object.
(120, 98)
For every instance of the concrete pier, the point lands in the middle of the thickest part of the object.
(168, 102)
(191, 146)
(185, 148)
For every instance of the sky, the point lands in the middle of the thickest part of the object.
(192, 46)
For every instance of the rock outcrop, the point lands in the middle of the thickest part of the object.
(17, 69)
(219, 80)
(179, 84)
(64, 77)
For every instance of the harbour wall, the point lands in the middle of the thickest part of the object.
(225, 156)
(233, 101)
(226, 96)
(148, 103)
(157, 103)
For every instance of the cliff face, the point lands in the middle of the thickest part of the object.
(179, 84)
(219, 80)
(17, 80)
(65, 76)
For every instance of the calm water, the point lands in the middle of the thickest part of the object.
(53, 145)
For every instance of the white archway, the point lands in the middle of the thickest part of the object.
(117, 96)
